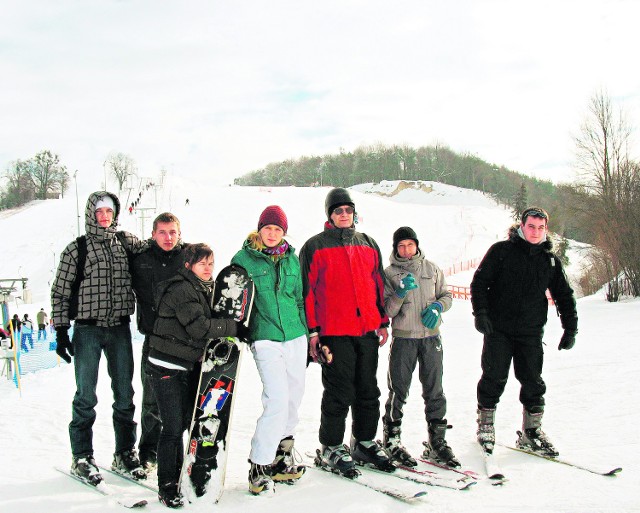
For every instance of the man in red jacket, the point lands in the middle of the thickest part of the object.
(343, 287)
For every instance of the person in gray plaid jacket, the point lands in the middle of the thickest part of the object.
(104, 298)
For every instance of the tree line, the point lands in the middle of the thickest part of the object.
(602, 208)
(436, 163)
(38, 177)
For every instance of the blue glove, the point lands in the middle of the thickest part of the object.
(431, 315)
(406, 284)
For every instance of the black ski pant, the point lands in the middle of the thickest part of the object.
(350, 382)
(149, 414)
(405, 353)
(527, 355)
(176, 391)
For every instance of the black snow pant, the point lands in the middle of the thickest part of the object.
(403, 356)
(350, 382)
(527, 354)
(150, 414)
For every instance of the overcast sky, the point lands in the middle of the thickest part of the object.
(218, 88)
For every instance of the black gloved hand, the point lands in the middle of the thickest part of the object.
(242, 332)
(483, 323)
(64, 347)
(568, 340)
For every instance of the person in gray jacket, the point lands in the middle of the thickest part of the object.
(98, 295)
(415, 296)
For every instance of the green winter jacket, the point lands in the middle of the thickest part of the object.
(278, 307)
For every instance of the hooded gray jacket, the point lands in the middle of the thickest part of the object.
(105, 294)
(407, 313)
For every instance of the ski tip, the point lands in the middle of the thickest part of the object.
(614, 471)
(420, 494)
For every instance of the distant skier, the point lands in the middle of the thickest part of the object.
(416, 295)
(42, 320)
(186, 202)
(26, 333)
(510, 308)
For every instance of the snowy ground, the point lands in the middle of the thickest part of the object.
(591, 389)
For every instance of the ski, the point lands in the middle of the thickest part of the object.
(491, 468)
(128, 477)
(108, 491)
(422, 477)
(466, 472)
(599, 471)
(361, 480)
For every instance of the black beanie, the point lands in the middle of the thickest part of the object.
(404, 233)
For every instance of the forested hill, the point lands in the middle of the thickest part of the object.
(435, 163)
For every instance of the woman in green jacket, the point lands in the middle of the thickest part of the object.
(279, 345)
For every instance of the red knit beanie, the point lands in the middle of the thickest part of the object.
(273, 214)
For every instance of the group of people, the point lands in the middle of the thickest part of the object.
(24, 327)
(332, 305)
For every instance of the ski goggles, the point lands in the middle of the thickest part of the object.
(343, 210)
(535, 212)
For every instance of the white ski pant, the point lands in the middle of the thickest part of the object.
(282, 367)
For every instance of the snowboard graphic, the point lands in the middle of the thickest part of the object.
(205, 462)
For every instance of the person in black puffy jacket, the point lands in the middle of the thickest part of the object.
(180, 334)
(508, 295)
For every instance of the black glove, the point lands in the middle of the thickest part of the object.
(64, 347)
(568, 339)
(242, 332)
(483, 323)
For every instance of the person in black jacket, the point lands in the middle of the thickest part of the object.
(508, 295)
(160, 262)
(181, 331)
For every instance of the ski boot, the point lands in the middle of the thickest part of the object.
(532, 438)
(284, 468)
(337, 459)
(368, 452)
(486, 429)
(393, 445)
(437, 448)
(127, 462)
(170, 496)
(260, 480)
(86, 469)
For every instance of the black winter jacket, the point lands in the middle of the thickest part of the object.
(511, 282)
(147, 271)
(184, 324)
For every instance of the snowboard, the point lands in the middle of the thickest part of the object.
(205, 461)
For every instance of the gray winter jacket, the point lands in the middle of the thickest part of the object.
(105, 296)
(406, 313)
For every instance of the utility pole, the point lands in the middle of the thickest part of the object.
(143, 216)
(75, 176)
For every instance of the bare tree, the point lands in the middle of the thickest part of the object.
(611, 180)
(121, 166)
(19, 187)
(46, 173)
